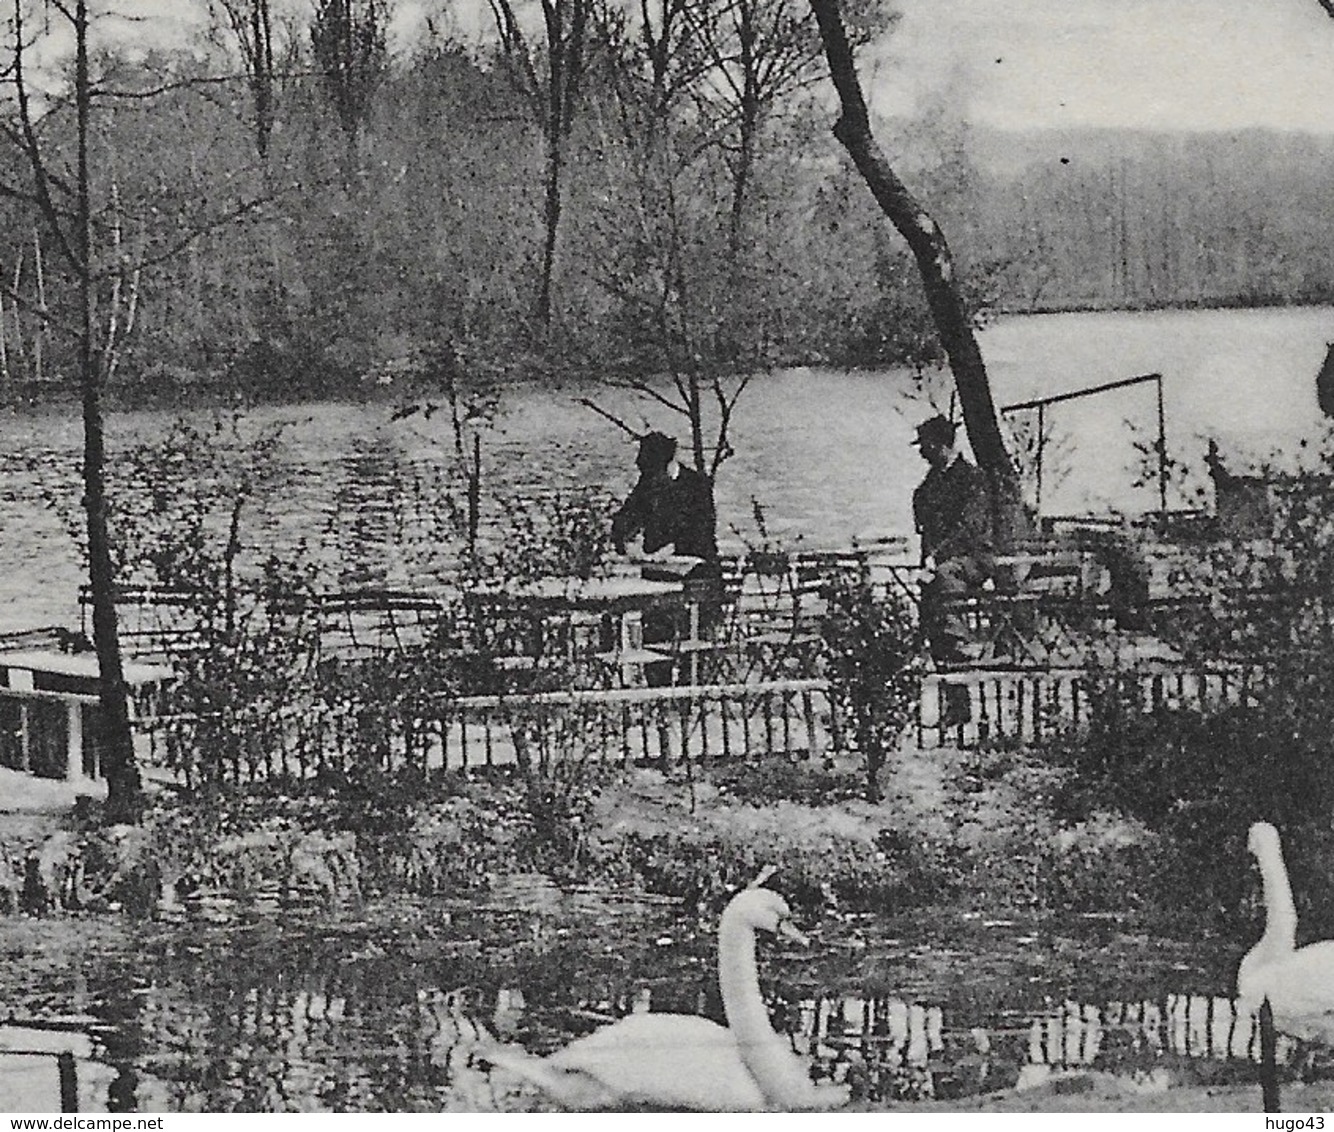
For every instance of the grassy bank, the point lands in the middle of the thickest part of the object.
(954, 829)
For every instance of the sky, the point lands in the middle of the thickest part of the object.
(1023, 64)
(1191, 64)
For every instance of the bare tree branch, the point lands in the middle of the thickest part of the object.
(723, 450)
(646, 390)
(589, 404)
(20, 142)
(516, 48)
(10, 192)
(31, 146)
(191, 83)
(48, 319)
(222, 220)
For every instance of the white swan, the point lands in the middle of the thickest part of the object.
(683, 1061)
(1298, 981)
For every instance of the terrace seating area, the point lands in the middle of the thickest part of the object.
(644, 624)
(647, 664)
(50, 717)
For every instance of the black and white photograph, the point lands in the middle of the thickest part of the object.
(666, 555)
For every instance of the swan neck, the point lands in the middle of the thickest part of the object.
(739, 982)
(768, 1058)
(1280, 911)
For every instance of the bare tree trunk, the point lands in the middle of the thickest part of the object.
(352, 159)
(39, 335)
(695, 411)
(4, 344)
(349, 47)
(20, 348)
(475, 494)
(740, 183)
(124, 796)
(261, 78)
(551, 219)
(748, 127)
(927, 242)
(251, 24)
(552, 99)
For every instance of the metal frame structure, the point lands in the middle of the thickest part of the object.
(1041, 403)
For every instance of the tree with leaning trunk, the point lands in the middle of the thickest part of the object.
(935, 265)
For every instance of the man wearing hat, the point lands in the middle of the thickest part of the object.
(671, 505)
(952, 513)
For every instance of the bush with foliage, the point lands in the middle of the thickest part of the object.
(873, 660)
(847, 857)
(1200, 781)
(1254, 589)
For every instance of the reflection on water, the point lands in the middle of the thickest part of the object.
(1135, 1037)
(397, 1014)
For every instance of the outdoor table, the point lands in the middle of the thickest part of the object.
(606, 593)
(613, 607)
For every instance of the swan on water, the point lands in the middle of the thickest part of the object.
(683, 1061)
(1298, 981)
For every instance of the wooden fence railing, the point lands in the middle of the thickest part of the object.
(673, 727)
(1027, 706)
(663, 726)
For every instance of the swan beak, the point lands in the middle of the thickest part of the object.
(788, 930)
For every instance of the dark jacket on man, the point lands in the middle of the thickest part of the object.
(952, 512)
(670, 511)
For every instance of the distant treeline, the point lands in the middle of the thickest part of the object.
(409, 216)
(1119, 219)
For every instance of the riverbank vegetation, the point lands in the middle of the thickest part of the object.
(661, 217)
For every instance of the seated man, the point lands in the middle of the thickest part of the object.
(952, 513)
(671, 505)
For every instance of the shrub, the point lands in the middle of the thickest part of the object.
(872, 657)
(1200, 781)
(847, 856)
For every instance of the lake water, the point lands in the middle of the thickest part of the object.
(825, 453)
(391, 1009)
